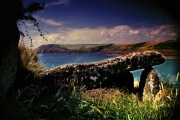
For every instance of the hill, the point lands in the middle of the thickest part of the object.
(72, 48)
(170, 48)
(51, 48)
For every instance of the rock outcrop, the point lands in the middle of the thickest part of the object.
(113, 72)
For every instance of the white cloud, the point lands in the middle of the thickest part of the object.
(119, 34)
(133, 32)
(59, 2)
(51, 22)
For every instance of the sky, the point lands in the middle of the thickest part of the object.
(100, 22)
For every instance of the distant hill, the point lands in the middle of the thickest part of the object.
(161, 46)
(167, 47)
(51, 48)
(72, 48)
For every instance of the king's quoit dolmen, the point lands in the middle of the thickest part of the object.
(109, 73)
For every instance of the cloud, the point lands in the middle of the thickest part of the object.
(43, 20)
(119, 34)
(51, 22)
(59, 2)
(133, 32)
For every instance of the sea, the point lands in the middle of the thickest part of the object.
(168, 70)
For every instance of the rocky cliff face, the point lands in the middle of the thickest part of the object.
(112, 72)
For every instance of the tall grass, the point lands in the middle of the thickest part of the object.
(98, 104)
(112, 104)
(29, 60)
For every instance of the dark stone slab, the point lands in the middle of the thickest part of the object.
(112, 72)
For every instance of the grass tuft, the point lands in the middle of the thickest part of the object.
(29, 59)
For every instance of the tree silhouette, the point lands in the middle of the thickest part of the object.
(13, 13)
(27, 15)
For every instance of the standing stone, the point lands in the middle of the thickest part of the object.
(177, 88)
(152, 85)
(150, 81)
(142, 81)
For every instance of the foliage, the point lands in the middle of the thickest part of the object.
(26, 14)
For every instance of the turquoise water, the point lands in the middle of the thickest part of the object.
(169, 68)
(54, 60)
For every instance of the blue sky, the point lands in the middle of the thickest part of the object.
(101, 21)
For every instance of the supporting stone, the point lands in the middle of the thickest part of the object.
(178, 82)
(143, 80)
(178, 90)
(149, 84)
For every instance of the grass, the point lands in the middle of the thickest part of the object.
(168, 45)
(137, 46)
(32, 102)
(29, 59)
(99, 104)
(118, 106)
